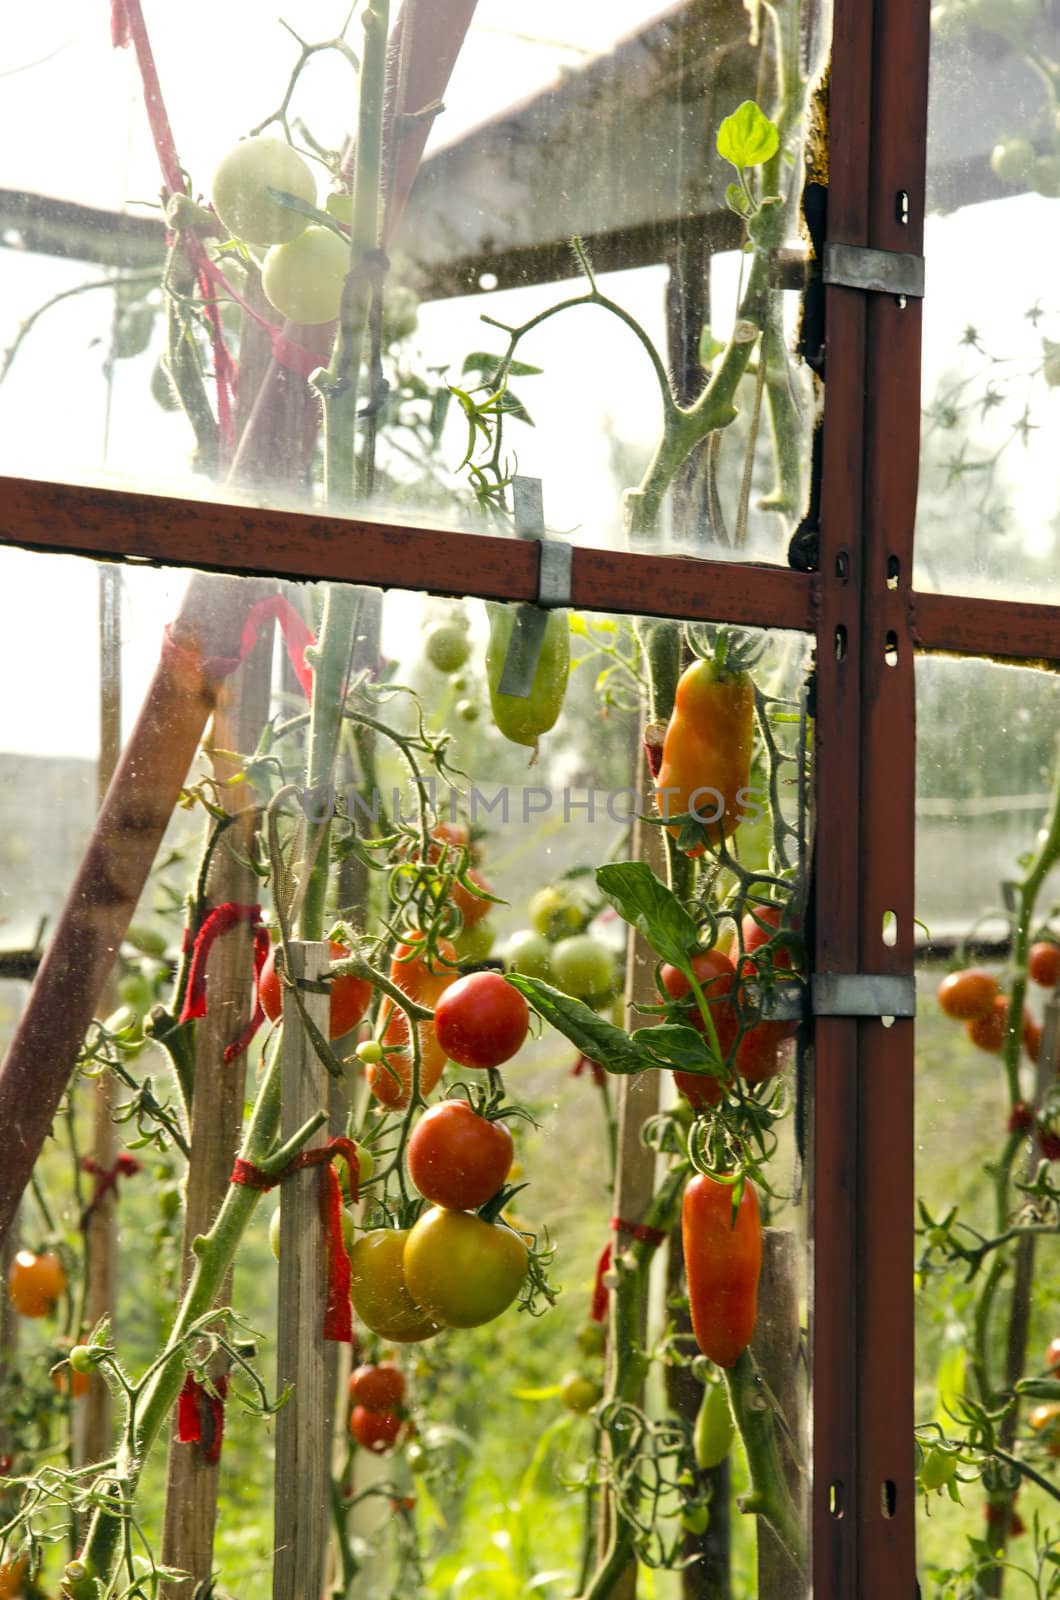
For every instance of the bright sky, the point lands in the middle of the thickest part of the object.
(596, 382)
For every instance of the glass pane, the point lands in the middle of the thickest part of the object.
(987, 520)
(988, 1268)
(180, 374)
(449, 832)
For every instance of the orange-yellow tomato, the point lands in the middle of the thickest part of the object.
(35, 1283)
(706, 758)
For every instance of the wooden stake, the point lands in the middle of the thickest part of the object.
(302, 1439)
(217, 1108)
(777, 1348)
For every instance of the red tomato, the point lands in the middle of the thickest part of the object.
(760, 927)
(349, 996)
(457, 1158)
(378, 1387)
(390, 1080)
(1032, 1038)
(967, 995)
(35, 1283)
(1043, 963)
(12, 1578)
(70, 1382)
(716, 977)
(759, 1054)
(481, 1021)
(988, 1031)
(376, 1431)
(699, 1089)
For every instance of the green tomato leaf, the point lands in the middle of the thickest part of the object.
(682, 1049)
(736, 199)
(294, 202)
(645, 902)
(747, 138)
(610, 1047)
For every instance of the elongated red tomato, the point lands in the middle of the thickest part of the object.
(349, 995)
(716, 977)
(723, 1260)
(706, 758)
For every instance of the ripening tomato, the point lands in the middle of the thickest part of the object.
(1046, 1421)
(557, 911)
(760, 1052)
(13, 1577)
(35, 1283)
(70, 1382)
(349, 995)
(457, 1158)
(584, 968)
(967, 995)
(471, 906)
(1043, 963)
(988, 1031)
(376, 1431)
(723, 1260)
(716, 976)
(481, 1021)
(377, 1386)
(379, 1292)
(421, 974)
(240, 184)
(762, 924)
(1052, 1358)
(706, 757)
(462, 1270)
(1032, 1037)
(390, 1080)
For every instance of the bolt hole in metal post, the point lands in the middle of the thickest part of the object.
(842, 566)
(835, 1499)
(888, 1497)
(889, 933)
(840, 643)
(901, 207)
(893, 569)
(890, 648)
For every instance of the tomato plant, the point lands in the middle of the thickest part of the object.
(723, 1258)
(481, 1021)
(349, 996)
(457, 1158)
(239, 188)
(376, 1431)
(462, 1270)
(379, 1290)
(377, 1386)
(35, 1282)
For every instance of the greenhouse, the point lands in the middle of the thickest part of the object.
(530, 865)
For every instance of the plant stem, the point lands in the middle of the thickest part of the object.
(770, 1497)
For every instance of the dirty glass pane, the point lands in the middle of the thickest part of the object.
(987, 520)
(988, 1127)
(144, 358)
(301, 763)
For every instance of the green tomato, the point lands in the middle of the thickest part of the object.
(1011, 160)
(446, 647)
(467, 711)
(82, 1359)
(138, 992)
(339, 206)
(274, 1233)
(1045, 177)
(695, 1519)
(579, 1393)
(524, 721)
(712, 1433)
(556, 912)
(380, 1292)
(239, 184)
(459, 682)
(462, 1270)
(530, 954)
(584, 968)
(938, 1468)
(475, 943)
(592, 1339)
(370, 1053)
(303, 279)
(149, 941)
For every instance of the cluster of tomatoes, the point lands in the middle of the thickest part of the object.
(973, 997)
(770, 941)
(377, 1405)
(558, 949)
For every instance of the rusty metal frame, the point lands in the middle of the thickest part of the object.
(868, 622)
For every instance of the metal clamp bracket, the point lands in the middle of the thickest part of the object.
(863, 994)
(555, 566)
(855, 266)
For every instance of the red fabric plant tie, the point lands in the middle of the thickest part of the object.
(201, 1416)
(637, 1230)
(126, 1166)
(583, 1064)
(296, 637)
(338, 1313)
(220, 920)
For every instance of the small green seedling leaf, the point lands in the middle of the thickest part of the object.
(747, 138)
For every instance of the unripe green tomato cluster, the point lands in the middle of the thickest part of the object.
(240, 185)
(556, 948)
